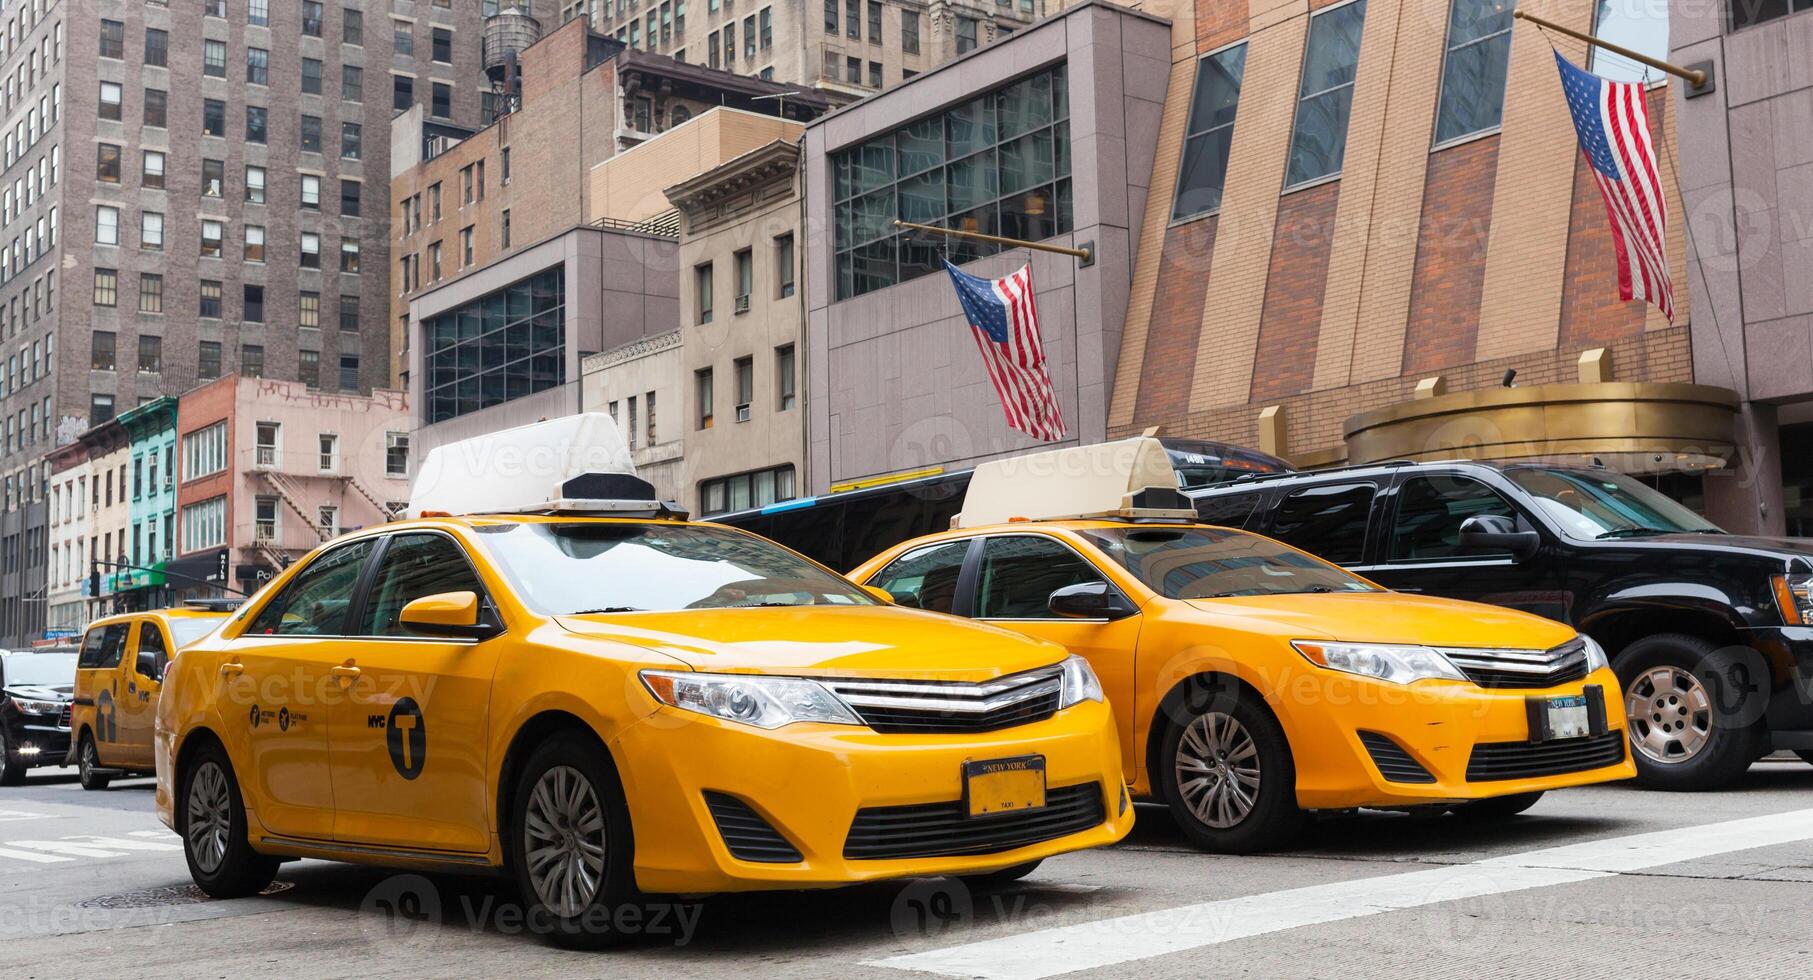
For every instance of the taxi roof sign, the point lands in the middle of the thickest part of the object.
(1130, 478)
(577, 463)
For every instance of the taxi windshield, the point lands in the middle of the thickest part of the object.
(569, 569)
(188, 629)
(1216, 563)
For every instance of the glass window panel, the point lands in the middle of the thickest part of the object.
(872, 216)
(1473, 87)
(1640, 26)
(1319, 139)
(921, 145)
(922, 198)
(873, 266)
(1024, 106)
(972, 181)
(1027, 161)
(970, 127)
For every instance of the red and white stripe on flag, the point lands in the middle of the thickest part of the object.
(1017, 367)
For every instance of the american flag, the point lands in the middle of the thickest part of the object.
(1001, 314)
(1612, 121)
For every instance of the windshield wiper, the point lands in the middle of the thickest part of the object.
(1634, 532)
(606, 609)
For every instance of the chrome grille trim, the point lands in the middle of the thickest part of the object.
(1490, 667)
(952, 706)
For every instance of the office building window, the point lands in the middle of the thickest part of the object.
(784, 267)
(1204, 168)
(213, 118)
(209, 303)
(112, 95)
(106, 225)
(258, 68)
(157, 48)
(785, 378)
(352, 83)
(258, 13)
(213, 178)
(310, 134)
(151, 231)
(311, 192)
(349, 372)
(255, 185)
(352, 140)
(966, 34)
(113, 39)
(442, 105)
(701, 275)
(253, 303)
(107, 163)
(258, 125)
(349, 314)
(311, 250)
(251, 360)
(150, 296)
(152, 172)
(311, 18)
(150, 354)
(157, 108)
(352, 26)
(703, 397)
(402, 38)
(308, 309)
(443, 45)
(349, 256)
(1473, 71)
(909, 31)
(101, 351)
(254, 246)
(308, 368)
(212, 234)
(106, 287)
(100, 409)
(311, 76)
(747, 490)
(402, 89)
(214, 58)
(998, 164)
(349, 198)
(497, 348)
(830, 16)
(1325, 96)
(207, 363)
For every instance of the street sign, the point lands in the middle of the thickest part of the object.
(59, 633)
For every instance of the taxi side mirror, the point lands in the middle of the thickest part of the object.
(880, 593)
(1090, 600)
(451, 614)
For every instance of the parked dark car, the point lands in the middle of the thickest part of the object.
(1710, 633)
(35, 696)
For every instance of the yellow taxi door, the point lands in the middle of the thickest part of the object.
(1015, 577)
(96, 706)
(279, 686)
(409, 735)
(137, 697)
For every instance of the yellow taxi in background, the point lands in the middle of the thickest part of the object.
(1254, 682)
(605, 706)
(119, 671)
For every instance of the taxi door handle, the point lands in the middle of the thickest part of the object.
(231, 668)
(346, 672)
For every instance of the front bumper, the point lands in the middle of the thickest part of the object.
(1465, 739)
(809, 781)
(1789, 653)
(39, 745)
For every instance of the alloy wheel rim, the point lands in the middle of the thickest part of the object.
(88, 761)
(1218, 770)
(1670, 715)
(210, 817)
(564, 841)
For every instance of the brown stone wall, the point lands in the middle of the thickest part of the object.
(1292, 321)
(1451, 257)
(1173, 336)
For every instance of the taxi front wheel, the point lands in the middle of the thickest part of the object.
(571, 850)
(88, 764)
(220, 858)
(1228, 774)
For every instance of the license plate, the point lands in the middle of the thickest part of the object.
(996, 786)
(1568, 718)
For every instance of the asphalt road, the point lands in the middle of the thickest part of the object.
(1595, 882)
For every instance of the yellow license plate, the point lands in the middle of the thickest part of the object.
(996, 786)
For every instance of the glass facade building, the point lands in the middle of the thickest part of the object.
(998, 164)
(500, 347)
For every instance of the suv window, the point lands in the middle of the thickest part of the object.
(414, 565)
(1228, 509)
(315, 603)
(1328, 520)
(1020, 572)
(1430, 512)
(925, 578)
(103, 647)
(152, 650)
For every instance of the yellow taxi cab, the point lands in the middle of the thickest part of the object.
(119, 671)
(608, 706)
(1254, 682)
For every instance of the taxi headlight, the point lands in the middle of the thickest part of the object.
(1080, 683)
(1595, 654)
(34, 707)
(1390, 662)
(764, 702)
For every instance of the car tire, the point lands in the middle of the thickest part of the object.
(213, 815)
(1497, 807)
(88, 762)
(12, 770)
(1244, 799)
(1685, 704)
(568, 816)
(1002, 878)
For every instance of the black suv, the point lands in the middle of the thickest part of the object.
(36, 690)
(1711, 633)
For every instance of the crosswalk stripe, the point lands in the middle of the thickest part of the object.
(125, 843)
(72, 849)
(1108, 942)
(32, 856)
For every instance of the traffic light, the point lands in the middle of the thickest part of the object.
(94, 580)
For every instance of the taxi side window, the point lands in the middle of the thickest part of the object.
(316, 601)
(1020, 572)
(925, 578)
(152, 650)
(1327, 521)
(103, 647)
(415, 565)
(1431, 510)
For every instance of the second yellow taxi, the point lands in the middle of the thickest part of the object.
(603, 701)
(119, 672)
(1253, 682)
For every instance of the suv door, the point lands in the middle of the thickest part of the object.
(409, 734)
(137, 702)
(280, 680)
(1421, 551)
(1015, 576)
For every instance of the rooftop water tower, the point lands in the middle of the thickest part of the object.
(506, 34)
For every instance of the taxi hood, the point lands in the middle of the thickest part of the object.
(824, 641)
(1387, 617)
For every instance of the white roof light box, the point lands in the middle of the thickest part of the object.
(575, 464)
(1128, 479)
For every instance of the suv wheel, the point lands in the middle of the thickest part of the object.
(570, 846)
(220, 858)
(12, 771)
(88, 762)
(1228, 776)
(1686, 702)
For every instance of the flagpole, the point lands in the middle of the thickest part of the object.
(1086, 255)
(1694, 76)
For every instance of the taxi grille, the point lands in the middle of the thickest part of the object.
(1525, 760)
(947, 829)
(1522, 668)
(746, 834)
(929, 707)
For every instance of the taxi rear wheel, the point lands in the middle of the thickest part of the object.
(88, 764)
(12, 769)
(571, 850)
(1229, 778)
(221, 860)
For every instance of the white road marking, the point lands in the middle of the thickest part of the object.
(1108, 942)
(7, 815)
(136, 843)
(31, 856)
(70, 848)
